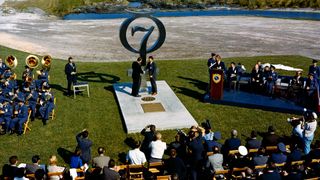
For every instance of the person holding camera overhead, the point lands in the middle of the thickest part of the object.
(84, 143)
(304, 128)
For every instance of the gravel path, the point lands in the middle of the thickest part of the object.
(187, 37)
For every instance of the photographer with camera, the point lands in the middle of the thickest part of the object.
(84, 144)
(304, 127)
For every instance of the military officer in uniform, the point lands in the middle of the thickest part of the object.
(152, 70)
(21, 118)
(71, 71)
(271, 80)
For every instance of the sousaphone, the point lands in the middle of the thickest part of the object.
(46, 62)
(11, 61)
(32, 61)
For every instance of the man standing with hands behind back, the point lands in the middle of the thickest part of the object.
(152, 69)
(71, 71)
(136, 77)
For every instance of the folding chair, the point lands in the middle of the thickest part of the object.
(27, 123)
(135, 171)
(166, 177)
(53, 113)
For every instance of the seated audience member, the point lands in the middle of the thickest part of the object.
(149, 136)
(271, 80)
(260, 158)
(241, 160)
(211, 143)
(110, 171)
(280, 156)
(232, 143)
(270, 172)
(20, 174)
(40, 174)
(293, 173)
(270, 139)
(295, 154)
(315, 153)
(157, 148)
(232, 73)
(256, 78)
(10, 170)
(215, 160)
(76, 161)
(101, 160)
(52, 167)
(208, 134)
(135, 156)
(253, 142)
(31, 168)
(174, 165)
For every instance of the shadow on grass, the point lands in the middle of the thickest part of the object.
(189, 92)
(97, 77)
(58, 87)
(65, 154)
(110, 88)
(197, 83)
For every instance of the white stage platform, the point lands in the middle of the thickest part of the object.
(174, 116)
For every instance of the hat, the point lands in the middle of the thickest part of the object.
(314, 61)
(243, 150)
(281, 147)
(217, 135)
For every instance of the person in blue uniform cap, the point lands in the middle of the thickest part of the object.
(6, 112)
(46, 105)
(21, 118)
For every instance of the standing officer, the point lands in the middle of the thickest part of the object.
(152, 69)
(136, 77)
(271, 80)
(315, 70)
(71, 71)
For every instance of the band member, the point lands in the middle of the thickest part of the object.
(152, 69)
(3, 67)
(46, 105)
(32, 99)
(7, 113)
(21, 118)
(71, 72)
(27, 73)
(136, 77)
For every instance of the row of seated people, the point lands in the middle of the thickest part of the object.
(18, 97)
(197, 155)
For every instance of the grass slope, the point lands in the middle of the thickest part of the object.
(101, 116)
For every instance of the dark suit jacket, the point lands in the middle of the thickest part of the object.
(9, 171)
(136, 70)
(152, 68)
(270, 140)
(85, 145)
(253, 144)
(109, 174)
(69, 69)
(176, 166)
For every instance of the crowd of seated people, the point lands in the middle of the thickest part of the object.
(17, 97)
(199, 154)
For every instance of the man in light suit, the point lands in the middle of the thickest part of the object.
(70, 71)
(101, 160)
(152, 69)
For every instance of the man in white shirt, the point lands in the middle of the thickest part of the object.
(157, 148)
(135, 156)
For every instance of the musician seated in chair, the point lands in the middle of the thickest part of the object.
(43, 76)
(6, 114)
(21, 118)
(27, 73)
(46, 104)
(32, 99)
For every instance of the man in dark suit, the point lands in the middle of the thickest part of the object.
(85, 145)
(136, 77)
(110, 173)
(10, 170)
(70, 71)
(149, 136)
(270, 139)
(152, 69)
(253, 142)
(174, 165)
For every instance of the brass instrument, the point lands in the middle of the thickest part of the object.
(32, 61)
(11, 62)
(46, 62)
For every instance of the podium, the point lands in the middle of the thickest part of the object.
(216, 84)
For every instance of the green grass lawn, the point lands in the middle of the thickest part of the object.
(101, 116)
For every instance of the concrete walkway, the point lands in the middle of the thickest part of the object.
(187, 37)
